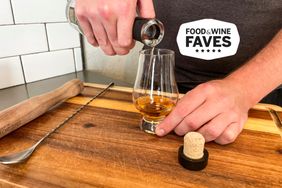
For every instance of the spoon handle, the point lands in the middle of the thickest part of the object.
(16, 116)
(72, 115)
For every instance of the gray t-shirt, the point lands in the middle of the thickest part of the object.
(257, 22)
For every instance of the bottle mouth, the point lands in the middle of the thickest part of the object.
(152, 32)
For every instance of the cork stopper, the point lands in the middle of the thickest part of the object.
(193, 155)
(194, 145)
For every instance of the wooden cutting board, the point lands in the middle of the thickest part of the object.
(103, 147)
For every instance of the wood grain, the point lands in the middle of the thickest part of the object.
(103, 147)
(26, 111)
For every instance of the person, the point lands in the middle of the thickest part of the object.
(220, 92)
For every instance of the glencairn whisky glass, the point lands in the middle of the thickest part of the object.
(155, 91)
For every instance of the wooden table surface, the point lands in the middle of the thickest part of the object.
(103, 147)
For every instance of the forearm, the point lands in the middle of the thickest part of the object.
(262, 73)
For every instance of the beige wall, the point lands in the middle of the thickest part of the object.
(117, 67)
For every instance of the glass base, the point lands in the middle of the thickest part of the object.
(148, 126)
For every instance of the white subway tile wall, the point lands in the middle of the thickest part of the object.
(22, 39)
(45, 65)
(6, 16)
(61, 36)
(39, 11)
(36, 42)
(78, 59)
(11, 72)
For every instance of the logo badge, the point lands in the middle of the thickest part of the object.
(208, 39)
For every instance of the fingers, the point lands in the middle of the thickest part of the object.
(213, 129)
(198, 117)
(146, 9)
(102, 37)
(86, 28)
(230, 134)
(125, 27)
(108, 23)
(184, 107)
(110, 26)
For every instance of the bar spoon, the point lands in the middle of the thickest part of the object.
(25, 154)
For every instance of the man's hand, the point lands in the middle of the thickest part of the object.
(215, 109)
(109, 23)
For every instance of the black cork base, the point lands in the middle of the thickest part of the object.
(192, 164)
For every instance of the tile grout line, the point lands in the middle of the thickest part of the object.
(24, 77)
(12, 10)
(40, 52)
(48, 45)
(74, 60)
(82, 51)
(36, 23)
(25, 82)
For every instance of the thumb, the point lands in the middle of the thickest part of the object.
(146, 9)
